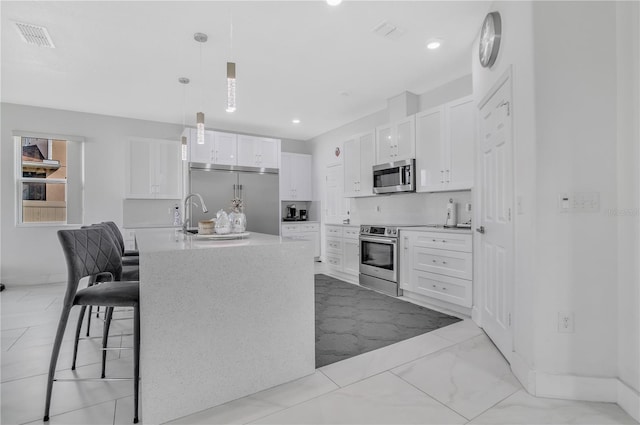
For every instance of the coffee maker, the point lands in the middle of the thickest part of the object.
(303, 215)
(291, 212)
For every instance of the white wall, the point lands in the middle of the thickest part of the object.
(105, 149)
(628, 206)
(33, 254)
(575, 130)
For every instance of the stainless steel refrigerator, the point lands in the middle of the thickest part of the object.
(257, 188)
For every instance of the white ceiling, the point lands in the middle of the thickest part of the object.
(295, 59)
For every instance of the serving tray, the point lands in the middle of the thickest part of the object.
(228, 236)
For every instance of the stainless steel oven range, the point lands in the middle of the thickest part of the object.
(379, 258)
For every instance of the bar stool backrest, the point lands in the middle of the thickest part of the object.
(116, 233)
(88, 252)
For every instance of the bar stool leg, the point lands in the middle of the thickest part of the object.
(62, 324)
(105, 338)
(77, 338)
(136, 360)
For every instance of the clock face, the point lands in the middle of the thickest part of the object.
(490, 39)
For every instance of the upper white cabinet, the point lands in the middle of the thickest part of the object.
(358, 165)
(154, 169)
(218, 148)
(295, 177)
(396, 141)
(444, 146)
(261, 152)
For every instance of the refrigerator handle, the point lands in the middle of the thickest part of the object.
(234, 191)
(239, 191)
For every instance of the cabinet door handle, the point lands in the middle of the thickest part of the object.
(433, 240)
(448, 176)
(444, 241)
(444, 262)
(441, 176)
(444, 289)
(433, 261)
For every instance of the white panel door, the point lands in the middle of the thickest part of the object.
(335, 202)
(302, 177)
(496, 205)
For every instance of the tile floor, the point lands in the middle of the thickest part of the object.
(451, 375)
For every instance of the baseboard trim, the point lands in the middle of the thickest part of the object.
(574, 387)
(629, 400)
(523, 373)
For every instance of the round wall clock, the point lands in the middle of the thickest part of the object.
(490, 39)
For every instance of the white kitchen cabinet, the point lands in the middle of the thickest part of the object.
(218, 148)
(438, 265)
(396, 141)
(153, 169)
(295, 177)
(256, 151)
(359, 159)
(304, 231)
(343, 250)
(444, 147)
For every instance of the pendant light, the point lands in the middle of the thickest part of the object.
(184, 81)
(231, 87)
(200, 38)
(231, 74)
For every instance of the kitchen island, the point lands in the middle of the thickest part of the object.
(221, 319)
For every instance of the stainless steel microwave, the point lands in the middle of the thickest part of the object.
(396, 176)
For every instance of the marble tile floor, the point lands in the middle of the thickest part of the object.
(451, 375)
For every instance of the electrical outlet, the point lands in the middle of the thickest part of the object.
(565, 322)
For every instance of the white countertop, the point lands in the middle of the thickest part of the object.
(437, 228)
(157, 240)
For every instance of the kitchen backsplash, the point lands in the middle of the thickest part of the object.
(409, 208)
(149, 212)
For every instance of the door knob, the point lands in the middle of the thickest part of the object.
(480, 229)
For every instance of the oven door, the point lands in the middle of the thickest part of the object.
(379, 257)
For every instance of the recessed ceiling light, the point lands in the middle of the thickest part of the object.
(295, 121)
(334, 2)
(434, 43)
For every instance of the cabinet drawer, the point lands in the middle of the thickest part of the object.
(450, 289)
(310, 227)
(288, 229)
(334, 245)
(334, 261)
(351, 232)
(450, 241)
(334, 231)
(441, 261)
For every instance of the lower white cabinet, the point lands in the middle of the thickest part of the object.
(343, 249)
(437, 265)
(304, 231)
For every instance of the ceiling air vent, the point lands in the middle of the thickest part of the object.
(35, 35)
(388, 30)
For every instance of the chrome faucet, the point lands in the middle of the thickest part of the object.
(186, 216)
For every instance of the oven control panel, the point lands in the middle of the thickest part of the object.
(389, 231)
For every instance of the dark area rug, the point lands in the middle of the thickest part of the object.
(352, 320)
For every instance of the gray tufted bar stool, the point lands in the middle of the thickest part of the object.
(91, 252)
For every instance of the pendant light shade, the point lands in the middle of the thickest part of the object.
(231, 86)
(200, 128)
(184, 148)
